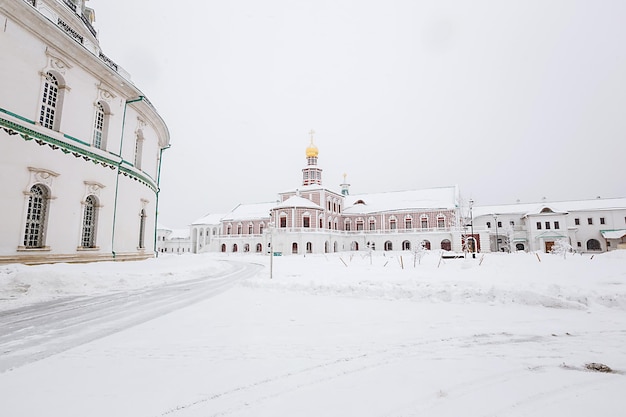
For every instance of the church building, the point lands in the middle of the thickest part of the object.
(315, 219)
(80, 144)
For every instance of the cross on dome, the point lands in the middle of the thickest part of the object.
(312, 151)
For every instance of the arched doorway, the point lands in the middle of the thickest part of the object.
(426, 244)
(294, 247)
(593, 244)
(406, 245)
(354, 246)
(223, 247)
(388, 245)
(309, 247)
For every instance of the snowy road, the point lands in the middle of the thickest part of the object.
(41, 330)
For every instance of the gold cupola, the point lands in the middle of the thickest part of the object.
(312, 151)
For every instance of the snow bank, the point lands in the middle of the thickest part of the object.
(526, 279)
(23, 284)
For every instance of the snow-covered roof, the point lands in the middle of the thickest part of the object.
(430, 198)
(297, 201)
(211, 218)
(179, 234)
(250, 211)
(308, 188)
(557, 206)
(613, 234)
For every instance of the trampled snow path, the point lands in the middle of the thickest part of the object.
(34, 332)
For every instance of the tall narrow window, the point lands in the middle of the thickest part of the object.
(89, 223)
(98, 128)
(142, 229)
(392, 224)
(408, 223)
(424, 222)
(36, 217)
(441, 222)
(49, 102)
(306, 221)
(138, 151)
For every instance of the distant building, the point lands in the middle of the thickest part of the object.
(173, 240)
(588, 226)
(80, 145)
(315, 219)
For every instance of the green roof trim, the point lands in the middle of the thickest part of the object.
(41, 139)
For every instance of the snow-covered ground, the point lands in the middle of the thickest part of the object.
(339, 335)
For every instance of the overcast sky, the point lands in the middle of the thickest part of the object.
(508, 99)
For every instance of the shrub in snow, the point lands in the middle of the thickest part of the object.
(561, 247)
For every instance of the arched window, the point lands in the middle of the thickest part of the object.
(261, 226)
(519, 246)
(424, 221)
(250, 228)
(259, 247)
(235, 247)
(441, 222)
(446, 245)
(335, 245)
(36, 217)
(326, 247)
(88, 239)
(99, 128)
(223, 247)
(138, 149)
(392, 223)
(294, 247)
(246, 247)
(309, 247)
(142, 229)
(426, 244)
(239, 229)
(229, 229)
(354, 245)
(593, 244)
(406, 245)
(50, 101)
(388, 245)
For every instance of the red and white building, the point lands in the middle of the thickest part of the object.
(315, 219)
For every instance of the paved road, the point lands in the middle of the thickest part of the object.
(41, 330)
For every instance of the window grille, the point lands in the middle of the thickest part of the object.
(89, 223)
(49, 104)
(142, 229)
(98, 128)
(36, 217)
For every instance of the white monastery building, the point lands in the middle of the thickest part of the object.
(80, 145)
(315, 219)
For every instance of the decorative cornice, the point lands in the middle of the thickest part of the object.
(41, 139)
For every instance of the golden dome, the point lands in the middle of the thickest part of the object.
(312, 151)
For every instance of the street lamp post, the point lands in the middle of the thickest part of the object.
(471, 204)
(495, 219)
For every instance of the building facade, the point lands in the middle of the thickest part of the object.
(315, 219)
(590, 226)
(80, 145)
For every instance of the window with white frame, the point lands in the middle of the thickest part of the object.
(50, 100)
(424, 222)
(441, 222)
(138, 150)
(98, 128)
(88, 237)
(142, 229)
(36, 216)
(408, 222)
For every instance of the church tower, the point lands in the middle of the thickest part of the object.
(312, 174)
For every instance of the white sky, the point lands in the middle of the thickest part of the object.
(508, 99)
